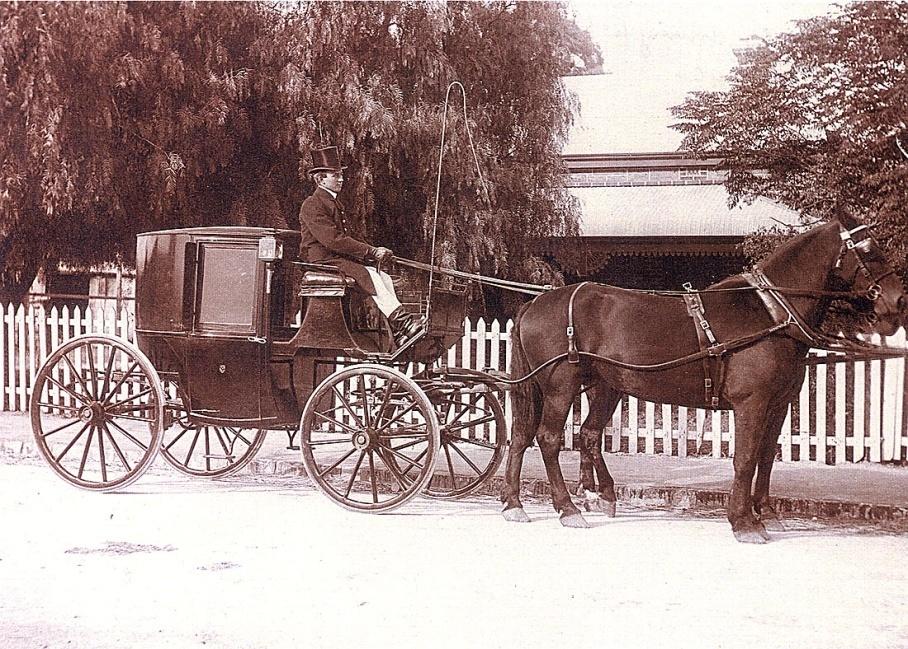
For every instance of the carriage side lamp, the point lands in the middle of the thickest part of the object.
(270, 249)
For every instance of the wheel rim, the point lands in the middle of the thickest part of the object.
(359, 427)
(473, 441)
(97, 412)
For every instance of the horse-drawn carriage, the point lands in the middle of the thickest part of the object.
(235, 339)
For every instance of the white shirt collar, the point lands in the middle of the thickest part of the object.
(333, 194)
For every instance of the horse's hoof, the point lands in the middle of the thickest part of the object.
(751, 535)
(601, 506)
(574, 520)
(515, 515)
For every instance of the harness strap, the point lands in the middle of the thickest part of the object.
(573, 355)
(713, 365)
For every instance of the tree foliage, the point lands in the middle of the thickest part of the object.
(818, 120)
(119, 118)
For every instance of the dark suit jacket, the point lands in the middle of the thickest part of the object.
(325, 239)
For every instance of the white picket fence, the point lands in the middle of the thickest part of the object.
(848, 411)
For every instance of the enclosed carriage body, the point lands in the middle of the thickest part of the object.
(206, 320)
(236, 338)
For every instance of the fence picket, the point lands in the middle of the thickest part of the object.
(682, 431)
(820, 422)
(22, 339)
(875, 437)
(840, 412)
(785, 437)
(616, 427)
(10, 387)
(666, 429)
(804, 420)
(859, 435)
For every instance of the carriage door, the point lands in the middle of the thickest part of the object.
(227, 352)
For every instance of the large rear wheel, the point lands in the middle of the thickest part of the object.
(97, 412)
(369, 436)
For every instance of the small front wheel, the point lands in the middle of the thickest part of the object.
(97, 412)
(369, 436)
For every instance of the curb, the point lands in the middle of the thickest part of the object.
(684, 498)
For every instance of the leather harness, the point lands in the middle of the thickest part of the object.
(711, 350)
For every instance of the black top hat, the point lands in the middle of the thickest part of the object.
(325, 159)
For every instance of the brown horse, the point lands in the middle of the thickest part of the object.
(647, 345)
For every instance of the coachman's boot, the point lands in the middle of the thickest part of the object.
(403, 325)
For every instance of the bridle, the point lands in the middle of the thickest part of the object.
(861, 247)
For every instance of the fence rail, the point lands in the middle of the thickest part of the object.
(847, 411)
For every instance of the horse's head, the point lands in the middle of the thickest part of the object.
(863, 267)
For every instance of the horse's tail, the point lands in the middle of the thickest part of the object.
(526, 396)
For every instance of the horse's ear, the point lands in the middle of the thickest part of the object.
(845, 216)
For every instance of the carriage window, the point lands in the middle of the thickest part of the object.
(228, 288)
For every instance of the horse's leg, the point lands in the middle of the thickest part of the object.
(767, 458)
(510, 494)
(549, 436)
(602, 400)
(750, 425)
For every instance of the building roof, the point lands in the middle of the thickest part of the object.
(673, 210)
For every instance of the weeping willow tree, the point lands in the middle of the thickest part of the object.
(119, 118)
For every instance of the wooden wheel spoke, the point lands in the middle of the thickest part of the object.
(195, 440)
(84, 398)
(331, 420)
(346, 406)
(449, 462)
(91, 432)
(402, 477)
(61, 427)
(81, 379)
(353, 473)
(101, 454)
(107, 370)
(176, 439)
(132, 397)
(395, 452)
(58, 406)
(463, 457)
(344, 458)
(406, 473)
(372, 478)
(123, 378)
(367, 415)
(228, 452)
(128, 435)
(72, 442)
(328, 442)
(471, 424)
(397, 416)
(92, 370)
(117, 450)
(386, 400)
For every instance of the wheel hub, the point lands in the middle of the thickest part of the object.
(93, 412)
(363, 439)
